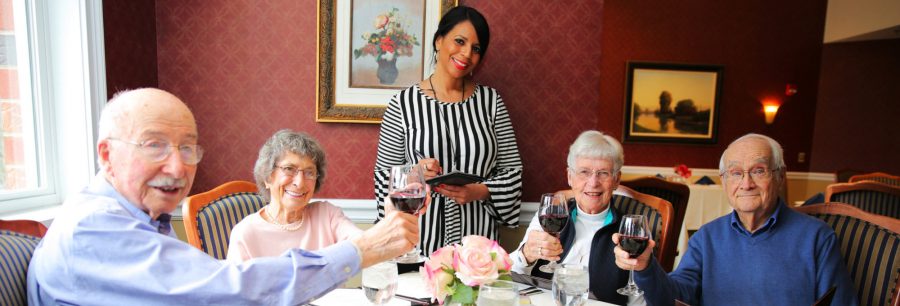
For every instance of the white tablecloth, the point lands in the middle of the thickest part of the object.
(707, 202)
(410, 284)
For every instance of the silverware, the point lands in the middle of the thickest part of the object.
(414, 301)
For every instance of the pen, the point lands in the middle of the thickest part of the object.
(419, 155)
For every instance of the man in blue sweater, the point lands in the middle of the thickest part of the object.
(763, 253)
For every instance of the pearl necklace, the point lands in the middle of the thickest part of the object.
(290, 227)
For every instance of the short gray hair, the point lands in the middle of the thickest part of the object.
(777, 162)
(594, 144)
(282, 142)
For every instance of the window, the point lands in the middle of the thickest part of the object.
(49, 98)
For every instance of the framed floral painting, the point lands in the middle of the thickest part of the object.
(667, 102)
(368, 51)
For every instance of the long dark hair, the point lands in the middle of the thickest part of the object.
(459, 14)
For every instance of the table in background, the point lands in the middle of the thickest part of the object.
(707, 202)
(411, 284)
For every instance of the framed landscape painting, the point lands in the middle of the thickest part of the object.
(676, 103)
(368, 50)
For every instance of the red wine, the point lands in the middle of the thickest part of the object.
(407, 203)
(634, 245)
(553, 223)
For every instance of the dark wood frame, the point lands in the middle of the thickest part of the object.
(326, 108)
(630, 136)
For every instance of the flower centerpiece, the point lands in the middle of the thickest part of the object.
(455, 272)
(682, 173)
(389, 41)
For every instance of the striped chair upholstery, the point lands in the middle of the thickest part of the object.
(15, 253)
(870, 246)
(873, 197)
(660, 217)
(676, 193)
(880, 177)
(210, 216)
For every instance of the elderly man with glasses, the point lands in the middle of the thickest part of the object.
(112, 243)
(763, 253)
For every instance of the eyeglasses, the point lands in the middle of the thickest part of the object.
(291, 171)
(159, 150)
(757, 174)
(588, 173)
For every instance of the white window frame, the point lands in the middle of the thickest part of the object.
(68, 84)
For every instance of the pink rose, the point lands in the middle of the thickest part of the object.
(473, 262)
(381, 21)
(435, 272)
(501, 258)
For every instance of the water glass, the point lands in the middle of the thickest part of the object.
(570, 285)
(498, 293)
(379, 282)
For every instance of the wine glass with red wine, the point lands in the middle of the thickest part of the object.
(406, 189)
(553, 214)
(634, 239)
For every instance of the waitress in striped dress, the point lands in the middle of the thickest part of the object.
(449, 123)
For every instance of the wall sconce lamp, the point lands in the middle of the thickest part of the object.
(770, 108)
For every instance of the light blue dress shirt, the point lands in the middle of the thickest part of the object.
(102, 250)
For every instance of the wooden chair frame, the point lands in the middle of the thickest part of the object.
(836, 208)
(872, 176)
(194, 203)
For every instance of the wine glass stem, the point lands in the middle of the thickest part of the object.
(631, 283)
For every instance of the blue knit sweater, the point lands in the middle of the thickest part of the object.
(792, 260)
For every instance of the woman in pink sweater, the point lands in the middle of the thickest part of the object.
(289, 170)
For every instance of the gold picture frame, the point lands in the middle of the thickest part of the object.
(337, 101)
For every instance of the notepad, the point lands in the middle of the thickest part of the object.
(454, 178)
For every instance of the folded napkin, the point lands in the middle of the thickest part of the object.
(705, 180)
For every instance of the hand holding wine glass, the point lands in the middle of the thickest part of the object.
(634, 237)
(553, 214)
(407, 191)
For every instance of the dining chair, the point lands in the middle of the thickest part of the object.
(873, 197)
(880, 177)
(676, 193)
(15, 253)
(28, 227)
(661, 220)
(870, 246)
(210, 216)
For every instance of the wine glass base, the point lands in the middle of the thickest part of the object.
(410, 259)
(631, 291)
(548, 268)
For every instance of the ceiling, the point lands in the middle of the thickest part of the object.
(856, 20)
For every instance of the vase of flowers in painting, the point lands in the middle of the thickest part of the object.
(387, 71)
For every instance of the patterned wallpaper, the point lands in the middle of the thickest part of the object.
(248, 68)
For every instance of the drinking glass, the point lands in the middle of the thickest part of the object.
(634, 239)
(553, 215)
(379, 282)
(570, 285)
(406, 188)
(498, 293)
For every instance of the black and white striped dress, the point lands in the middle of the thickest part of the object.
(473, 136)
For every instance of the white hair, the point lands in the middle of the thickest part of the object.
(777, 162)
(595, 144)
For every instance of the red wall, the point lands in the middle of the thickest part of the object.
(762, 44)
(857, 111)
(130, 38)
(248, 69)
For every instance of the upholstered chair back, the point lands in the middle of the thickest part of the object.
(210, 216)
(15, 253)
(870, 246)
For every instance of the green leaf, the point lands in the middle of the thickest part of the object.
(463, 294)
(505, 277)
